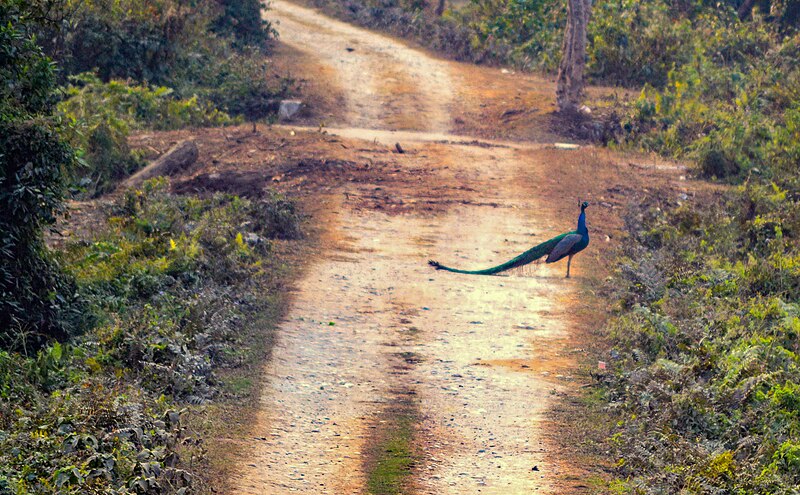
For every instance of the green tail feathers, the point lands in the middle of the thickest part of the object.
(528, 256)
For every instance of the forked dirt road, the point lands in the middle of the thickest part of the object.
(374, 334)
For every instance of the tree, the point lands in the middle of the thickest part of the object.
(573, 57)
(242, 20)
(33, 159)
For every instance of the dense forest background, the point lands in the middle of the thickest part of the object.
(104, 342)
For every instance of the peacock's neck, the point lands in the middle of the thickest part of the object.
(582, 230)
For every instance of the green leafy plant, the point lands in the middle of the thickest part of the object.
(170, 282)
(705, 382)
(34, 296)
(100, 117)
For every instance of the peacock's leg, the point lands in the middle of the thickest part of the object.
(569, 261)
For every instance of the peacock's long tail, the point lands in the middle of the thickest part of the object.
(528, 256)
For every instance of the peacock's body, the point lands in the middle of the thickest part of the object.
(557, 248)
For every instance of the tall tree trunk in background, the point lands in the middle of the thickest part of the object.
(440, 7)
(573, 56)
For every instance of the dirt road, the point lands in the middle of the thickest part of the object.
(377, 341)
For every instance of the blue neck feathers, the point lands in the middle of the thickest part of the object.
(582, 230)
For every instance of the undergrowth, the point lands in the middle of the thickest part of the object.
(110, 344)
(100, 116)
(170, 284)
(166, 64)
(706, 354)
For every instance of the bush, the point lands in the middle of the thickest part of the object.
(631, 43)
(34, 296)
(525, 33)
(100, 116)
(192, 60)
(129, 39)
(171, 282)
(242, 20)
(191, 49)
(149, 307)
(136, 64)
(705, 383)
(242, 85)
(140, 106)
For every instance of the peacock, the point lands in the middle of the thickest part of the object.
(565, 245)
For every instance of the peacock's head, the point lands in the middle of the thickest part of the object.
(584, 205)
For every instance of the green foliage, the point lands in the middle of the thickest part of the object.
(729, 107)
(526, 33)
(95, 362)
(139, 106)
(120, 39)
(137, 64)
(240, 83)
(100, 116)
(242, 20)
(631, 43)
(33, 161)
(195, 49)
(706, 383)
(171, 282)
(28, 76)
(33, 295)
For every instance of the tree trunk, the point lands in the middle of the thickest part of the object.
(573, 57)
(178, 158)
(440, 7)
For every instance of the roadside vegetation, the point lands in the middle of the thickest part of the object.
(705, 381)
(706, 374)
(705, 350)
(109, 342)
(166, 286)
(135, 64)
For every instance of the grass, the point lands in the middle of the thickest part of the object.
(392, 457)
(180, 315)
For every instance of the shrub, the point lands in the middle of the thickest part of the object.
(242, 20)
(100, 116)
(631, 43)
(171, 281)
(526, 33)
(242, 85)
(140, 106)
(34, 296)
(708, 363)
(155, 65)
(136, 39)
